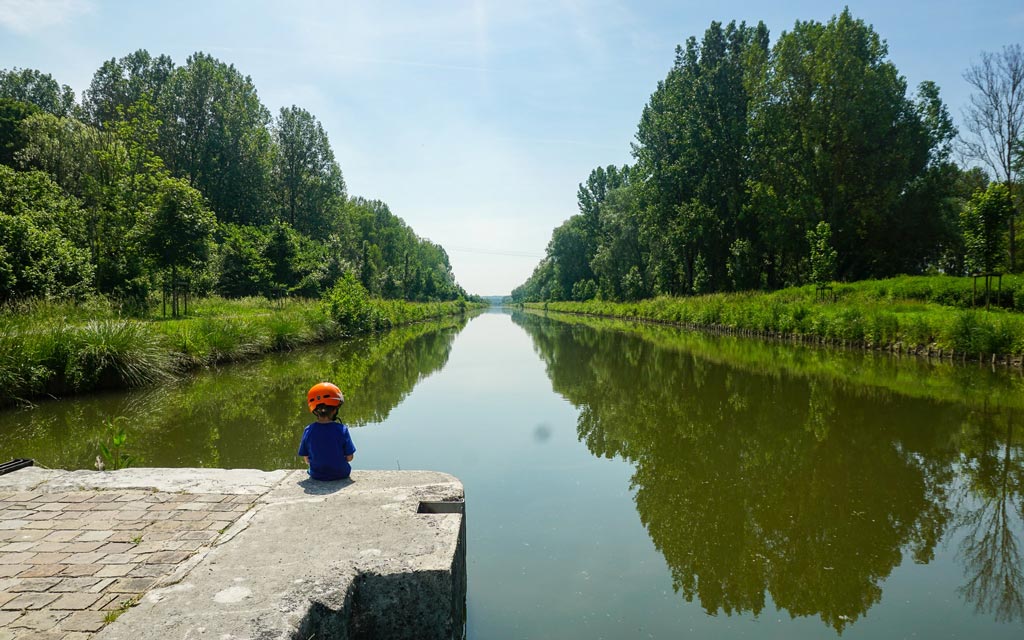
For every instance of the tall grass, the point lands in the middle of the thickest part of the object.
(900, 313)
(54, 348)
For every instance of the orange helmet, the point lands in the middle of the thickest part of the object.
(324, 393)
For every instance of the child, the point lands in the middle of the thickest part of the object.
(326, 445)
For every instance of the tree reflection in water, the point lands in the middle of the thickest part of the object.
(991, 511)
(802, 487)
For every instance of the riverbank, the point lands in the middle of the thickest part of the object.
(901, 315)
(170, 553)
(61, 349)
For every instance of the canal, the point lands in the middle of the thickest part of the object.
(631, 481)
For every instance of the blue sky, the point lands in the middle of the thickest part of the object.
(474, 120)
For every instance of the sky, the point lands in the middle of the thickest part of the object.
(474, 120)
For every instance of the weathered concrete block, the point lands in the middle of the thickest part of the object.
(357, 559)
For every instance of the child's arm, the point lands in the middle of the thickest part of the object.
(349, 457)
(306, 458)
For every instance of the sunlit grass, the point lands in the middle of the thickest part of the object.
(57, 348)
(902, 313)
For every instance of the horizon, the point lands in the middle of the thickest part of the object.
(475, 122)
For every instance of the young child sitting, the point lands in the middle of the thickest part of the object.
(326, 444)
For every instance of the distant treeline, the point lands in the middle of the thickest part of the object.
(760, 167)
(177, 179)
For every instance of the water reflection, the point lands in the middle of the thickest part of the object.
(246, 415)
(807, 482)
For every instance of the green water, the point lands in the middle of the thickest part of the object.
(635, 482)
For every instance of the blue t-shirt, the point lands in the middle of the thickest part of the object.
(327, 445)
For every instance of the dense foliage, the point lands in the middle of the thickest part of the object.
(177, 180)
(762, 166)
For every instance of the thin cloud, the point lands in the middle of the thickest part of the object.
(30, 16)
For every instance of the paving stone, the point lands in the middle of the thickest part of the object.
(23, 496)
(210, 497)
(14, 514)
(120, 601)
(61, 536)
(78, 496)
(84, 558)
(163, 506)
(105, 496)
(199, 536)
(75, 601)
(49, 558)
(80, 570)
(41, 525)
(168, 557)
(7, 597)
(65, 525)
(151, 570)
(7, 583)
(72, 585)
(82, 547)
(81, 506)
(132, 496)
(24, 536)
(116, 547)
(105, 601)
(16, 558)
(114, 570)
(94, 536)
(132, 585)
(119, 558)
(191, 515)
(84, 621)
(30, 601)
(128, 515)
(14, 547)
(11, 570)
(131, 525)
(49, 547)
(43, 620)
(50, 506)
(100, 586)
(77, 635)
(6, 618)
(41, 570)
(34, 585)
(41, 515)
(123, 536)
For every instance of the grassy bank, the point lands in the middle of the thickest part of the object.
(57, 349)
(914, 314)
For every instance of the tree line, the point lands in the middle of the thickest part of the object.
(177, 179)
(760, 166)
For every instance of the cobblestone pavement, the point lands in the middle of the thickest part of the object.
(71, 562)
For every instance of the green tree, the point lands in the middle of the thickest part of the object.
(37, 258)
(241, 264)
(215, 134)
(982, 225)
(119, 83)
(177, 233)
(39, 89)
(307, 179)
(12, 137)
(823, 256)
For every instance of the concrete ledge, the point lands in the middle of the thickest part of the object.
(227, 481)
(379, 556)
(351, 559)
